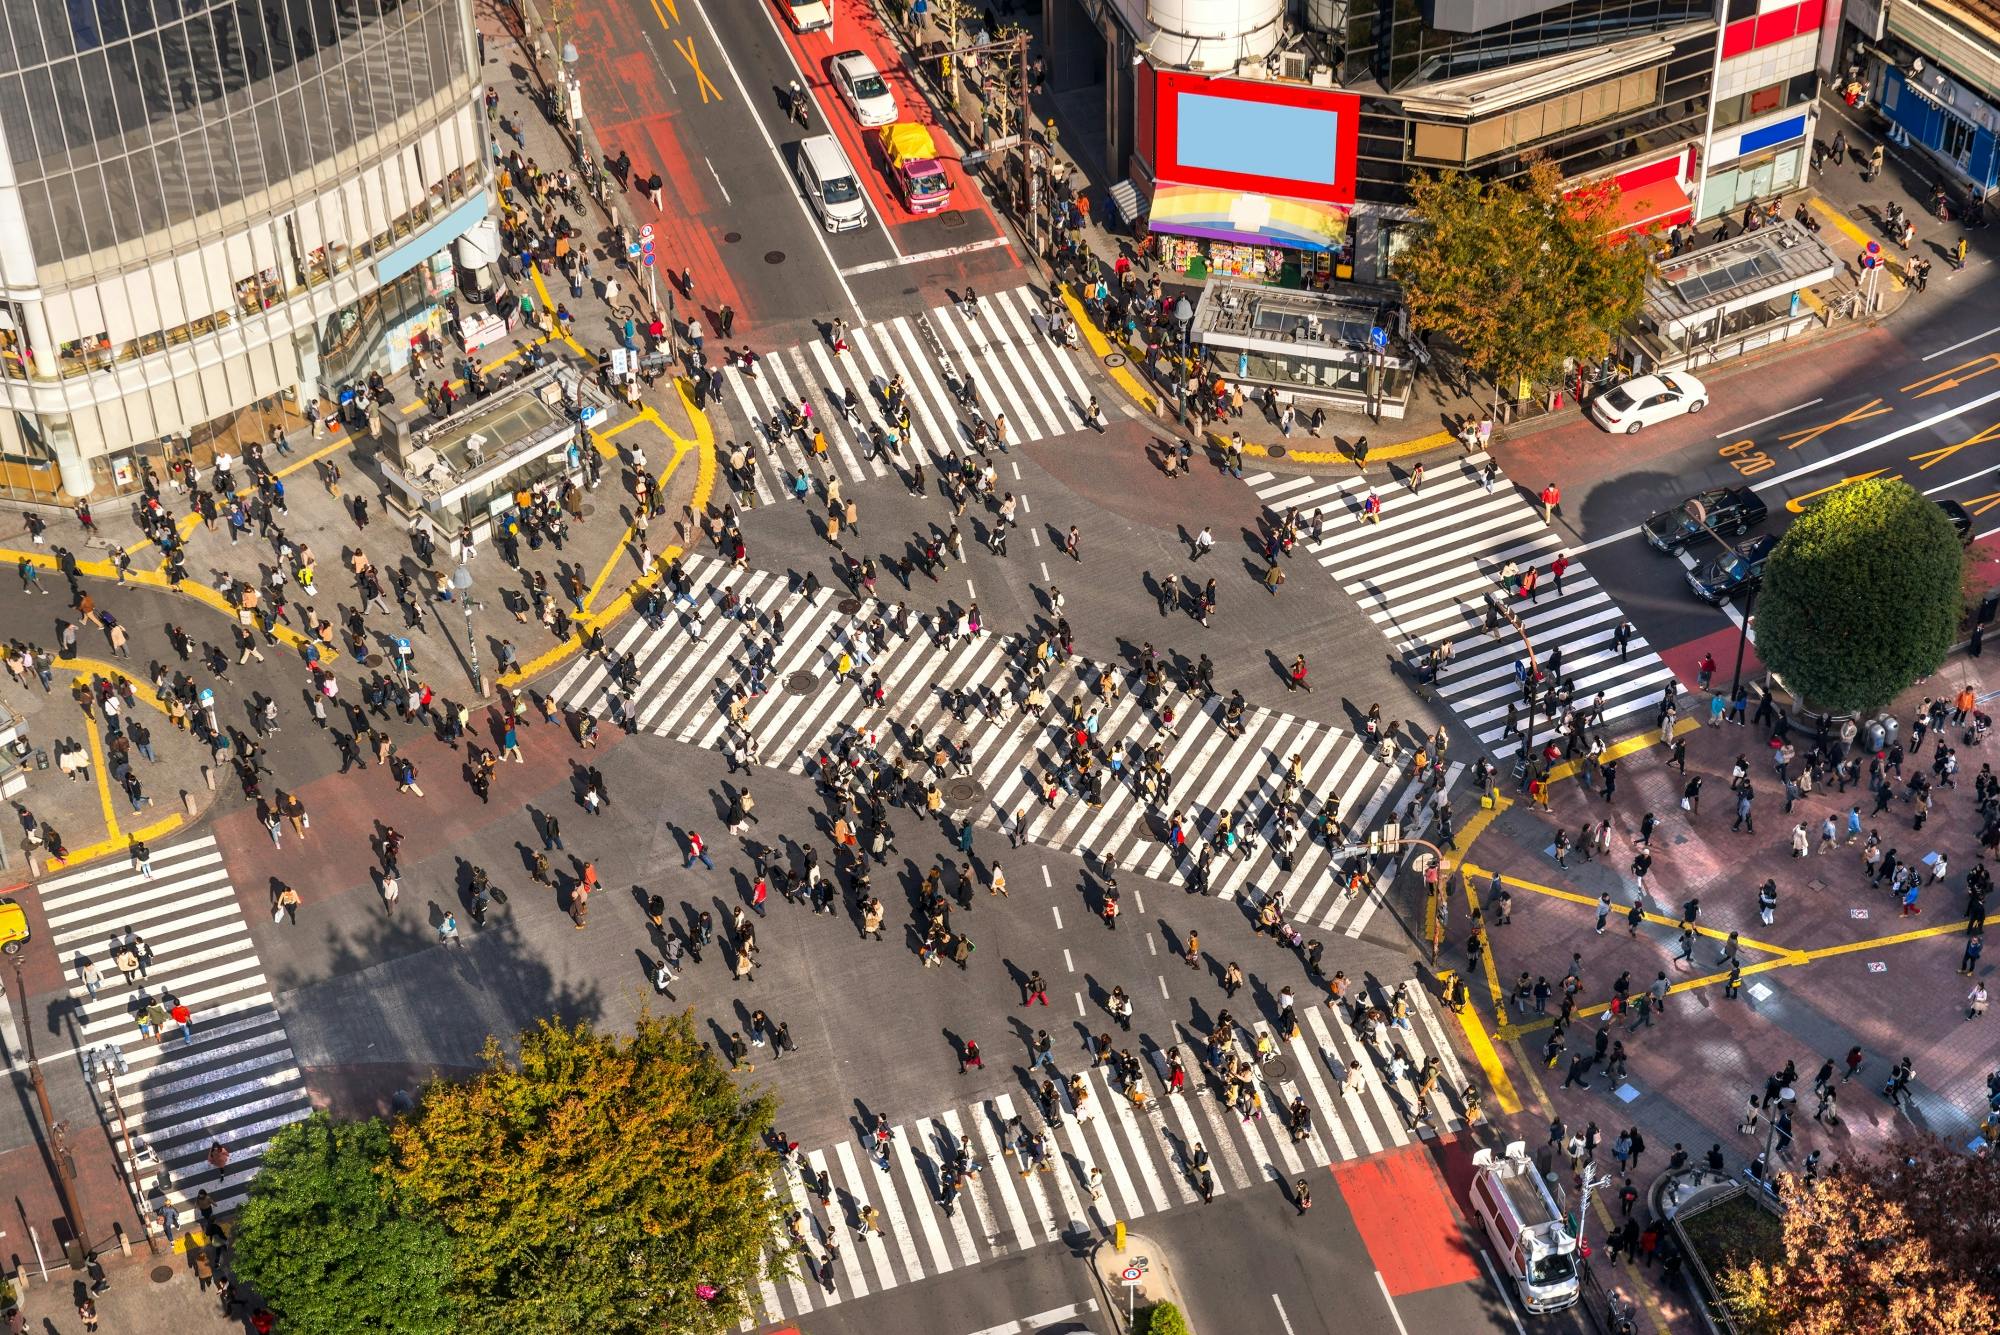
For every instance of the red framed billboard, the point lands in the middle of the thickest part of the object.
(1255, 136)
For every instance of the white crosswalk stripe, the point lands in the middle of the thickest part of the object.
(1422, 575)
(237, 1080)
(1017, 373)
(1144, 1158)
(685, 684)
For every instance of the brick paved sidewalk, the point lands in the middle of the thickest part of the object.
(1841, 965)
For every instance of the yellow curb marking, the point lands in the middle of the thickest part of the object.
(704, 446)
(151, 579)
(1101, 347)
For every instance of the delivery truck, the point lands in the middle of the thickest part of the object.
(909, 154)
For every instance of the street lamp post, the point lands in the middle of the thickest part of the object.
(58, 1138)
(461, 580)
(109, 1061)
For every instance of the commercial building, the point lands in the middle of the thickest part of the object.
(1275, 141)
(1933, 69)
(209, 211)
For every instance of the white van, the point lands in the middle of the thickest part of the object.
(1529, 1234)
(830, 184)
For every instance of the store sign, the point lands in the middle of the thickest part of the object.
(1261, 137)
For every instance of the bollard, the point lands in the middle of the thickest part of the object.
(1118, 1236)
(187, 802)
(124, 1242)
(208, 777)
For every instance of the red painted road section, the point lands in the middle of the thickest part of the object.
(624, 99)
(1406, 1220)
(857, 27)
(1685, 660)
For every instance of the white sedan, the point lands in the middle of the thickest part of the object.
(862, 88)
(808, 15)
(1646, 400)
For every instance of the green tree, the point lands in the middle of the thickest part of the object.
(598, 1183)
(1165, 1319)
(325, 1239)
(1862, 596)
(1903, 1243)
(1520, 276)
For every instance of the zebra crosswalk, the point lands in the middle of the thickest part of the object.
(1421, 575)
(692, 667)
(237, 1080)
(1113, 1162)
(1001, 342)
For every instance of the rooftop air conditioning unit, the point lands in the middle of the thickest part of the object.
(1295, 65)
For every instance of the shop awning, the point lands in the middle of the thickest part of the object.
(1658, 204)
(1250, 219)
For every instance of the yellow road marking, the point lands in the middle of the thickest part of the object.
(1797, 505)
(704, 445)
(630, 539)
(1847, 228)
(1944, 452)
(1625, 746)
(1122, 376)
(152, 579)
(81, 665)
(1489, 1060)
(673, 9)
(1791, 954)
(121, 844)
(102, 773)
(685, 45)
(1951, 379)
(1873, 408)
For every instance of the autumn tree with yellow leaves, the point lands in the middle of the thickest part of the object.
(1902, 1243)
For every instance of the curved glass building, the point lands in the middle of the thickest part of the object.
(209, 211)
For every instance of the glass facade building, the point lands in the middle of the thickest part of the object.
(210, 210)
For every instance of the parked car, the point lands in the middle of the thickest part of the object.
(862, 88)
(1737, 570)
(1647, 400)
(13, 926)
(1734, 510)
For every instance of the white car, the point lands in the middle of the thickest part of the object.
(808, 15)
(861, 85)
(1645, 400)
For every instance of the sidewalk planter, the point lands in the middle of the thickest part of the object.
(1720, 1228)
(1161, 1319)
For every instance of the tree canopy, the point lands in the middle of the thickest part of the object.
(1900, 1243)
(325, 1238)
(594, 1182)
(1862, 596)
(1519, 275)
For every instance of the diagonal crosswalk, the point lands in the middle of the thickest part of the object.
(237, 1081)
(691, 666)
(1140, 1158)
(1422, 574)
(1001, 342)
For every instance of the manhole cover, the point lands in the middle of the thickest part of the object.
(951, 218)
(589, 510)
(1277, 1071)
(373, 660)
(801, 682)
(1114, 359)
(160, 1274)
(732, 237)
(774, 257)
(1275, 451)
(849, 606)
(963, 792)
